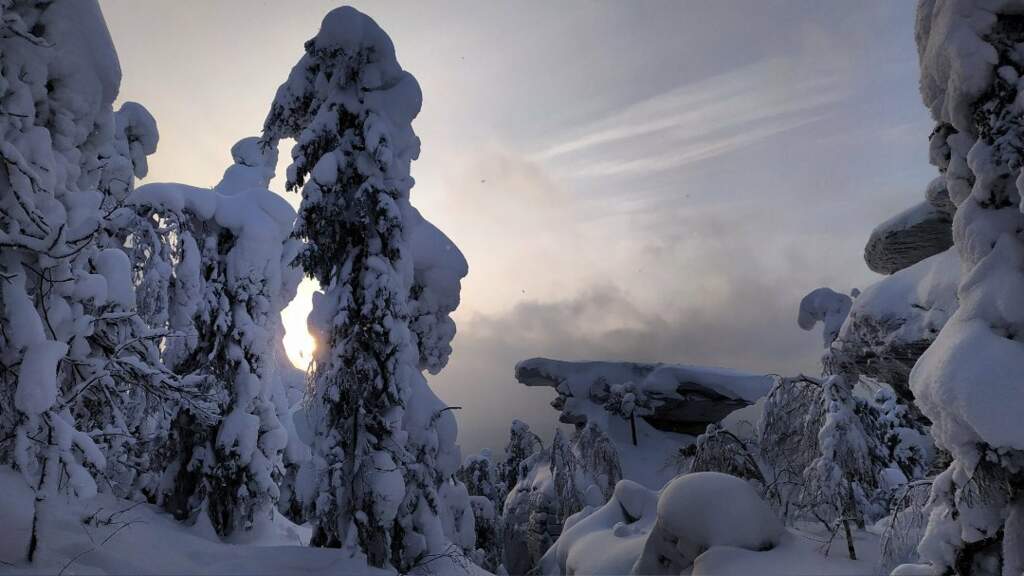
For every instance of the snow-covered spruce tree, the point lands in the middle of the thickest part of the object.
(839, 483)
(564, 472)
(384, 443)
(599, 458)
(627, 401)
(855, 453)
(522, 445)
(968, 383)
(794, 411)
(487, 497)
(230, 467)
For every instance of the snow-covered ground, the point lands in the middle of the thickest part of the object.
(105, 535)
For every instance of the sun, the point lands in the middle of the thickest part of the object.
(299, 344)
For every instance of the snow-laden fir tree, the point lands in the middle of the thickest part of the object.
(839, 482)
(627, 400)
(968, 383)
(384, 443)
(522, 445)
(487, 497)
(238, 235)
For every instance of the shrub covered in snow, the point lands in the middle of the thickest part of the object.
(82, 365)
(229, 301)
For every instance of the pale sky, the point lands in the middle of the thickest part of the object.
(655, 181)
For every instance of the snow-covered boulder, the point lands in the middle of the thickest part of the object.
(640, 531)
(895, 320)
(909, 237)
(698, 511)
(685, 398)
(607, 539)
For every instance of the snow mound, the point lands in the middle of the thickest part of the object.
(698, 511)
(702, 523)
(605, 540)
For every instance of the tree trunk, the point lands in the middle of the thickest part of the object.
(632, 427)
(33, 543)
(849, 540)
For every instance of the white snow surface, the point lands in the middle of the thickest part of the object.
(142, 539)
(919, 299)
(920, 212)
(107, 535)
(968, 381)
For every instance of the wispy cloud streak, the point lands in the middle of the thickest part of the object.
(697, 121)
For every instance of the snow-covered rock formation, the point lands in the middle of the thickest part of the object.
(893, 321)
(684, 399)
(918, 232)
(631, 420)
